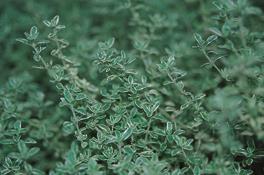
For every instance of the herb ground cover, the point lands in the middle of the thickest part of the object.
(132, 87)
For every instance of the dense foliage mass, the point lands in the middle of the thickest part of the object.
(154, 87)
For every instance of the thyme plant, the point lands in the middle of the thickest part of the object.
(134, 87)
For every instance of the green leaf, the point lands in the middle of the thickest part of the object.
(47, 23)
(107, 44)
(211, 39)
(141, 45)
(155, 106)
(127, 133)
(33, 33)
(68, 127)
(169, 127)
(54, 22)
(84, 144)
(23, 149)
(9, 107)
(215, 31)
(196, 171)
(33, 151)
(22, 40)
(17, 125)
(7, 141)
(199, 39)
(80, 96)
(68, 96)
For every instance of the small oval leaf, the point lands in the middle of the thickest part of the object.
(127, 133)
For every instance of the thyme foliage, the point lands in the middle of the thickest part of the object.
(132, 87)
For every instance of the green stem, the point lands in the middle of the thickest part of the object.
(75, 119)
(211, 62)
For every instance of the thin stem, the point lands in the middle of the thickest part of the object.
(181, 91)
(211, 62)
(148, 128)
(75, 119)
(44, 63)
